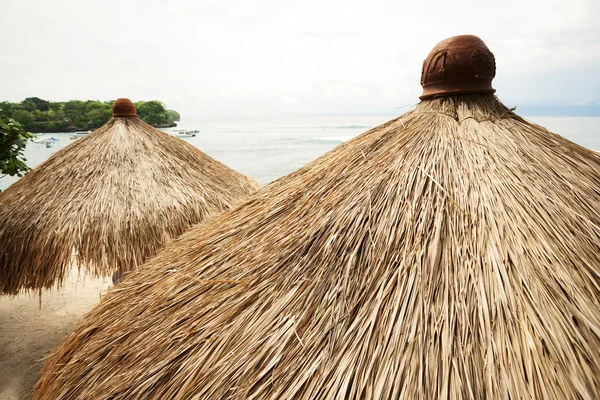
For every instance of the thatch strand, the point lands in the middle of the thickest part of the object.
(451, 253)
(108, 202)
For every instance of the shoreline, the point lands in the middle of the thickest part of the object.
(73, 130)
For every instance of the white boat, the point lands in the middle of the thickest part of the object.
(45, 140)
(185, 133)
(80, 134)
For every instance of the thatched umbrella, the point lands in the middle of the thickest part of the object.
(453, 252)
(107, 202)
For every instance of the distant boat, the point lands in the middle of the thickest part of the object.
(185, 133)
(79, 134)
(45, 140)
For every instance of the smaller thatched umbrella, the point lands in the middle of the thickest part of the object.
(451, 253)
(107, 202)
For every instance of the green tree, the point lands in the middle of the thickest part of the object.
(75, 112)
(23, 117)
(74, 107)
(13, 139)
(35, 103)
(95, 119)
(152, 112)
(55, 126)
(5, 109)
(173, 116)
(94, 105)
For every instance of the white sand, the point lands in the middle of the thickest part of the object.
(28, 333)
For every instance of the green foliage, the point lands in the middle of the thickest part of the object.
(155, 113)
(173, 115)
(38, 115)
(35, 103)
(23, 117)
(152, 112)
(5, 109)
(13, 139)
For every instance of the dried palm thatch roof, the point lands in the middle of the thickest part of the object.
(114, 198)
(453, 252)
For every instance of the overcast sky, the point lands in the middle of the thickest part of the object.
(228, 57)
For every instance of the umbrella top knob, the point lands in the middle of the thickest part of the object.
(458, 65)
(123, 108)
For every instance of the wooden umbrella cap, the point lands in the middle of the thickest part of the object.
(458, 65)
(123, 108)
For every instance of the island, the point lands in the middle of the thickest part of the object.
(43, 116)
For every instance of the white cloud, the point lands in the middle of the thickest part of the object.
(281, 57)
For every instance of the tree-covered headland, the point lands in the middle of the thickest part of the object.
(39, 116)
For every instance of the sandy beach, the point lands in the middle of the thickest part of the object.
(28, 332)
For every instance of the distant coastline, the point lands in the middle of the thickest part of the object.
(72, 128)
(43, 116)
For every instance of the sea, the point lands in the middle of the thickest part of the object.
(267, 148)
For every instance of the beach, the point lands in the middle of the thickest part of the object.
(29, 331)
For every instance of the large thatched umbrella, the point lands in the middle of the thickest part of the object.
(453, 252)
(107, 202)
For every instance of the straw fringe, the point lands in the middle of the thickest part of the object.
(451, 253)
(107, 202)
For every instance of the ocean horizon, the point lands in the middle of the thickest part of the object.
(267, 148)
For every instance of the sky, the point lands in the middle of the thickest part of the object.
(279, 57)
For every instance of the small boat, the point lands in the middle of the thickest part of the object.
(45, 140)
(80, 134)
(185, 133)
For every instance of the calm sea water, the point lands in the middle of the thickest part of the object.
(267, 148)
